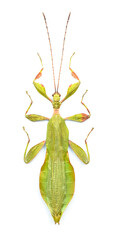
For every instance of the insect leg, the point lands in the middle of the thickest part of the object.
(81, 117)
(33, 151)
(84, 103)
(81, 154)
(40, 73)
(72, 72)
(40, 87)
(33, 117)
(73, 87)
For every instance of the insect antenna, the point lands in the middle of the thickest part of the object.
(50, 51)
(63, 50)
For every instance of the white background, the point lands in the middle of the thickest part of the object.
(92, 35)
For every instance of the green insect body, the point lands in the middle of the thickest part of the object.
(57, 178)
(57, 175)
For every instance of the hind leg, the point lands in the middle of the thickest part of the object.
(33, 151)
(81, 154)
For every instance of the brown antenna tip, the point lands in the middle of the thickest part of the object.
(44, 15)
(69, 15)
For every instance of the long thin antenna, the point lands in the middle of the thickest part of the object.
(50, 51)
(63, 50)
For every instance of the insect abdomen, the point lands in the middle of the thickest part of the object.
(57, 174)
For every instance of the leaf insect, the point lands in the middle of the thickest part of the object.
(57, 178)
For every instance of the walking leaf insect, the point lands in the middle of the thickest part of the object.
(57, 178)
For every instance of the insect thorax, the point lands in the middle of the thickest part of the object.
(56, 101)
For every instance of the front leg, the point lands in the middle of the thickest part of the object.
(73, 87)
(33, 117)
(40, 87)
(81, 117)
(81, 154)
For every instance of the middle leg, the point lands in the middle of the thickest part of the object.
(81, 117)
(33, 117)
(81, 154)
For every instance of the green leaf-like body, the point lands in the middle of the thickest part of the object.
(57, 179)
